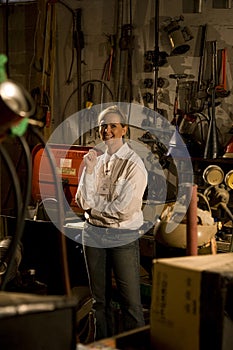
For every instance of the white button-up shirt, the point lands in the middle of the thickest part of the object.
(112, 195)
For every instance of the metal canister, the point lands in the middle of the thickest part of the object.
(213, 175)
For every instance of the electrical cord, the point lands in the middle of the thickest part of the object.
(59, 196)
(10, 253)
(68, 80)
(21, 210)
(83, 84)
(22, 205)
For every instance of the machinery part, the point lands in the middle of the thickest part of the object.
(177, 238)
(178, 36)
(148, 83)
(157, 147)
(178, 76)
(161, 82)
(4, 246)
(159, 57)
(219, 197)
(148, 67)
(213, 175)
(126, 41)
(187, 99)
(149, 55)
(229, 179)
(162, 59)
(148, 97)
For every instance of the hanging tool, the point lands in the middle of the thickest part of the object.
(221, 88)
(107, 71)
(201, 84)
(89, 95)
(109, 62)
(48, 69)
(175, 108)
(156, 55)
(89, 103)
(45, 69)
(211, 148)
(200, 80)
(159, 58)
(126, 44)
(79, 45)
(50, 112)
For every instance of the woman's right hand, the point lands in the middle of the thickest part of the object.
(90, 160)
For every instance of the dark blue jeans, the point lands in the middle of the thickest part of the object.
(125, 262)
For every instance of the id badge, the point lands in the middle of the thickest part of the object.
(104, 186)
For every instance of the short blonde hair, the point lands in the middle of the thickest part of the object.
(113, 109)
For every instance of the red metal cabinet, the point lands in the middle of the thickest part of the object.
(68, 161)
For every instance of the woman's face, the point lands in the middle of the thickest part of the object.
(110, 128)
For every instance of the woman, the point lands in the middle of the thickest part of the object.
(110, 191)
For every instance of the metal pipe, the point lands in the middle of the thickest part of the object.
(191, 228)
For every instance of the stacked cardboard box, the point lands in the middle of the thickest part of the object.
(192, 303)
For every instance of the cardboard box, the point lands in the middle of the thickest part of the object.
(192, 303)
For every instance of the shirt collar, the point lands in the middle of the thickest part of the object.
(121, 153)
